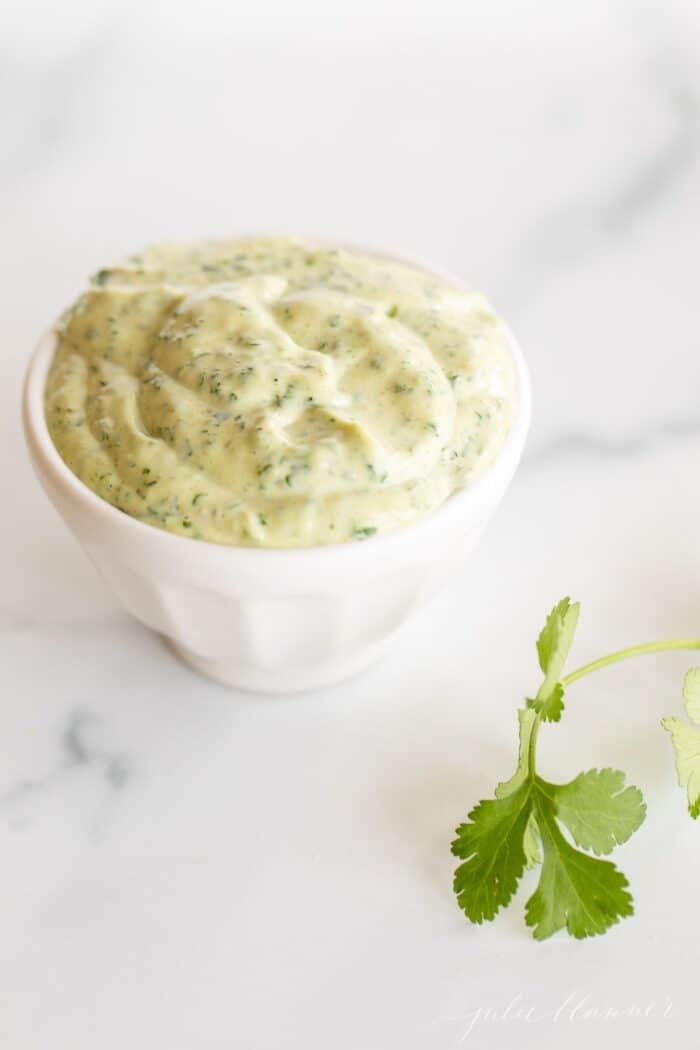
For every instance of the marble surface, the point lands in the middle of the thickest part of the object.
(186, 868)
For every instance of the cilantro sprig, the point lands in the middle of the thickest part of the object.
(565, 829)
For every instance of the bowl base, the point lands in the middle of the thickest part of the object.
(277, 683)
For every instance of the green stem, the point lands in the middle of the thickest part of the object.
(605, 661)
(626, 654)
(532, 747)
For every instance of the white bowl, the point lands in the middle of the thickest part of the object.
(275, 621)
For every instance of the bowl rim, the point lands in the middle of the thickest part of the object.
(494, 477)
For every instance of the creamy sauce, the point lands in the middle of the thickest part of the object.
(271, 393)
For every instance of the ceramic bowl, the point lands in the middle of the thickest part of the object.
(274, 621)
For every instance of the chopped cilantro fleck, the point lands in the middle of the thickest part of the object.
(364, 532)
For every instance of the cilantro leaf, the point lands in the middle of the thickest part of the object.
(532, 843)
(556, 637)
(577, 892)
(686, 745)
(521, 830)
(686, 742)
(597, 808)
(491, 845)
(553, 647)
(691, 692)
(549, 702)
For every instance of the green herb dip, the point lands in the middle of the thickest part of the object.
(272, 393)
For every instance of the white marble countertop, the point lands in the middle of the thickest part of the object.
(186, 868)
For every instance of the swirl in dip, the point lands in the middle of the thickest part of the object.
(272, 393)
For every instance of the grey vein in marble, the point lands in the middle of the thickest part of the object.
(586, 226)
(651, 182)
(591, 445)
(76, 754)
(49, 128)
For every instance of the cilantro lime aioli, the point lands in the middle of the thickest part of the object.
(273, 393)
